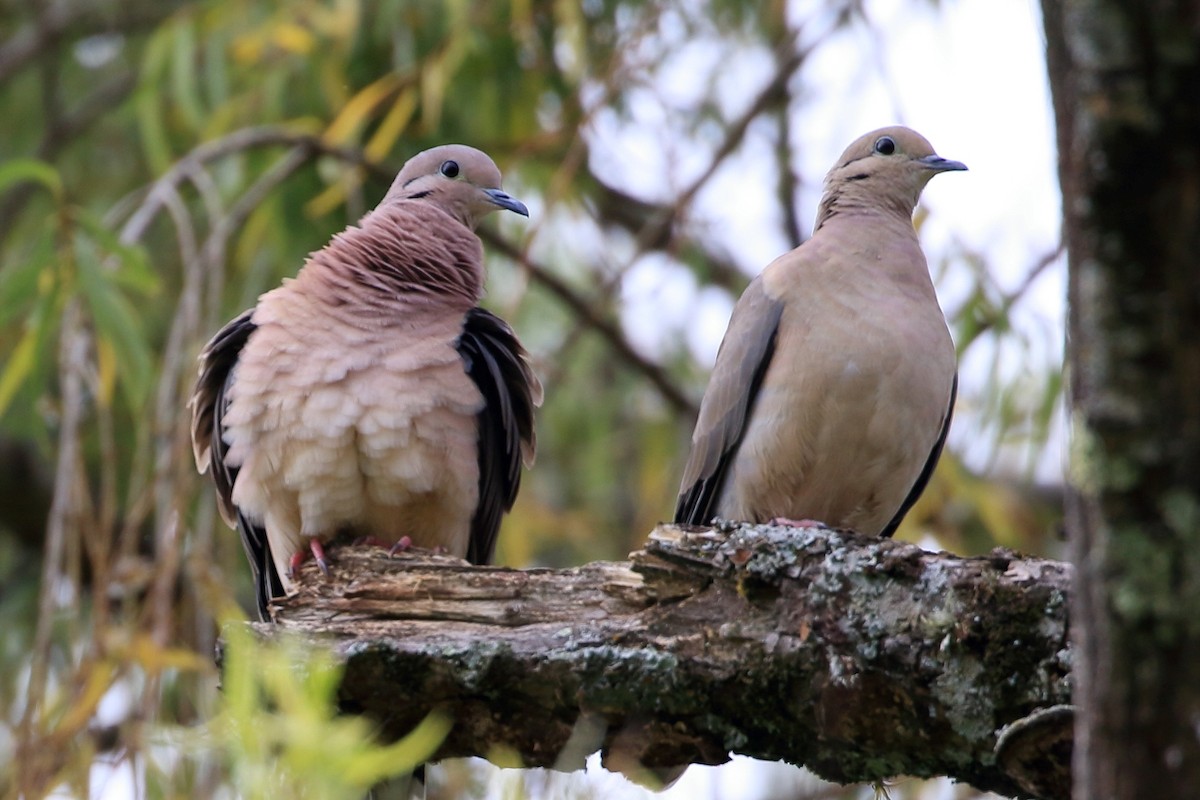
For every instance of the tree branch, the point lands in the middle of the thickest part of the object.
(607, 329)
(60, 19)
(857, 657)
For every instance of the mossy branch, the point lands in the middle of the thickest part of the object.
(857, 657)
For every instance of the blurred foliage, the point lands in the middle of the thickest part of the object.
(280, 731)
(164, 162)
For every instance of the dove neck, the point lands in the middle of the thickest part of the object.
(417, 254)
(858, 200)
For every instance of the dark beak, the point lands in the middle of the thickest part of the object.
(939, 164)
(504, 200)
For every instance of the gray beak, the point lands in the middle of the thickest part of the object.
(939, 164)
(504, 200)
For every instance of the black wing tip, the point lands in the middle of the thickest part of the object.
(697, 503)
(931, 463)
(209, 400)
(496, 362)
(692, 506)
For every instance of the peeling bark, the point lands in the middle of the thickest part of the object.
(859, 658)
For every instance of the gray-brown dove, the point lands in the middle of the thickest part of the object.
(833, 388)
(371, 396)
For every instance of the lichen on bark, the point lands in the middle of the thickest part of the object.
(858, 657)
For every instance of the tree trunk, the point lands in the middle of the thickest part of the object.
(1125, 77)
(860, 658)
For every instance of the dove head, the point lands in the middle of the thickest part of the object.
(458, 179)
(885, 169)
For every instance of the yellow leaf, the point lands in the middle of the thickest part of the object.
(293, 38)
(359, 109)
(505, 757)
(248, 48)
(433, 91)
(106, 363)
(415, 748)
(333, 196)
(19, 365)
(339, 21)
(98, 681)
(392, 126)
(154, 658)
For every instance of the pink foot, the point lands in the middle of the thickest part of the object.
(798, 523)
(300, 556)
(402, 544)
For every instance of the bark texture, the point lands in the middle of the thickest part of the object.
(857, 657)
(1124, 77)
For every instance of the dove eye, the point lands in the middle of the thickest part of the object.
(885, 145)
(449, 169)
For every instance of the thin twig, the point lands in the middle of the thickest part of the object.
(56, 19)
(789, 58)
(170, 436)
(63, 520)
(1039, 266)
(213, 253)
(609, 331)
(1009, 299)
(185, 320)
(789, 181)
(191, 164)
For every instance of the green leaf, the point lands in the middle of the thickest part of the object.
(31, 169)
(19, 280)
(17, 368)
(148, 101)
(184, 89)
(27, 354)
(281, 727)
(118, 324)
(216, 77)
(133, 270)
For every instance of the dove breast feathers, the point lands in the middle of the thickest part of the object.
(349, 410)
(863, 386)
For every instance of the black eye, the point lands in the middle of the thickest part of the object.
(884, 145)
(450, 169)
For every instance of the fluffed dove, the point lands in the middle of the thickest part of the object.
(833, 388)
(371, 396)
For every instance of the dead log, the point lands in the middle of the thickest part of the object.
(859, 658)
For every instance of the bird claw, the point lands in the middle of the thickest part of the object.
(402, 544)
(300, 556)
(318, 551)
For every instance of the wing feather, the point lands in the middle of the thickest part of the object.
(499, 366)
(737, 376)
(927, 470)
(209, 402)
